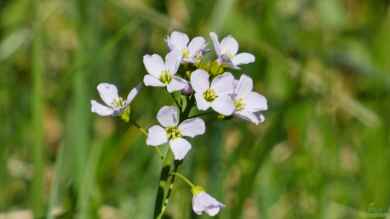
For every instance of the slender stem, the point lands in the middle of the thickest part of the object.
(143, 131)
(139, 127)
(184, 179)
(174, 99)
(201, 114)
(37, 114)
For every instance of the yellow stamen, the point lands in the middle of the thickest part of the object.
(239, 104)
(173, 132)
(209, 95)
(166, 77)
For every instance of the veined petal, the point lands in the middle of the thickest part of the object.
(180, 148)
(244, 86)
(255, 118)
(154, 64)
(223, 105)
(200, 80)
(172, 61)
(201, 103)
(100, 109)
(255, 102)
(168, 116)
(229, 45)
(196, 45)
(177, 40)
(243, 58)
(223, 84)
(176, 84)
(108, 93)
(150, 80)
(192, 127)
(214, 39)
(156, 136)
(133, 93)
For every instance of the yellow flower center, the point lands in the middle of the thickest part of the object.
(173, 132)
(209, 95)
(186, 53)
(118, 103)
(165, 77)
(239, 104)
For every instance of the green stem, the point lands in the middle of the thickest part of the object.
(167, 178)
(184, 179)
(37, 196)
(143, 131)
(201, 114)
(139, 127)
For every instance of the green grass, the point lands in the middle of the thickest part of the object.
(323, 151)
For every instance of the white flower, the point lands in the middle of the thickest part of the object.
(217, 95)
(191, 51)
(227, 51)
(248, 104)
(173, 132)
(205, 203)
(115, 104)
(162, 74)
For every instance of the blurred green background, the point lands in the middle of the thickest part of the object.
(323, 151)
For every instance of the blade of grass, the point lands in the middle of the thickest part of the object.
(259, 153)
(59, 172)
(87, 30)
(37, 198)
(220, 12)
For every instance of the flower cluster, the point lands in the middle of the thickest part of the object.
(202, 84)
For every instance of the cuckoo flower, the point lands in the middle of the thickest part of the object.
(191, 51)
(115, 105)
(172, 132)
(227, 51)
(248, 104)
(205, 203)
(215, 95)
(163, 74)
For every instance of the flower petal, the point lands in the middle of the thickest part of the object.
(223, 105)
(203, 202)
(100, 109)
(154, 64)
(176, 84)
(133, 93)
(255, 118)
(244, 86)
(150, 80)
(177, 40)
(243, 58)
(172, 61)
(201, 103)
(156, 136)
(200, 80)
(192, 127)
(255, 102)
(108, 93)
(196, 45)
(223, 84)
(180, 148)
(217, 46)
(229, 45)
(168, 116)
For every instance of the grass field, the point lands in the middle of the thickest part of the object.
(322, 152)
